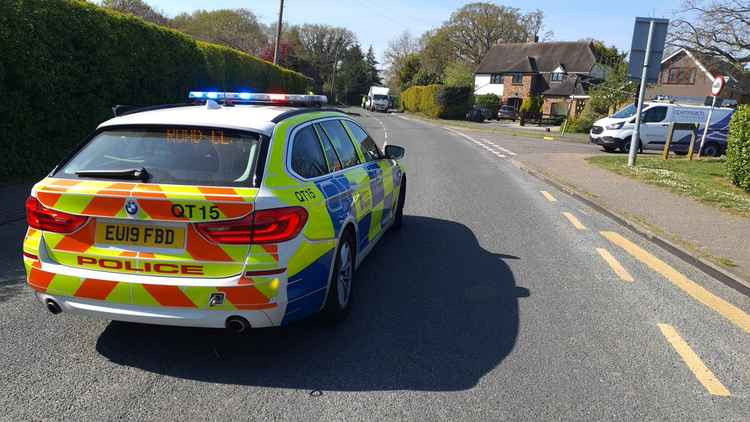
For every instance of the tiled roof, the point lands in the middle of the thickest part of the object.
(576, 57)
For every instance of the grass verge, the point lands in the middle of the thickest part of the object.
(705, 180)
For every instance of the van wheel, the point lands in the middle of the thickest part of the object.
(625, 147)
(340, 290)
(711, 150)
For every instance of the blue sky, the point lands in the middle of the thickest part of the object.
(378, 21)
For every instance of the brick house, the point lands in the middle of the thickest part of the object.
(560, 72)
(688, 76)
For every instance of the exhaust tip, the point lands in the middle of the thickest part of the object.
(53, 307)
(237, 324)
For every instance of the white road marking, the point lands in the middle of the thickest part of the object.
(385, 131)
(503, 149)
(489, 146)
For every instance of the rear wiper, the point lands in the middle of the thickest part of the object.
(131, 174)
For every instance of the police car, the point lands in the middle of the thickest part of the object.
(239, 210)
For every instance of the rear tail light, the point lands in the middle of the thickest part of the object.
(266, 226)
(42, 218)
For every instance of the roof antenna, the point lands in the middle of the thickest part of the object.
(212, 105)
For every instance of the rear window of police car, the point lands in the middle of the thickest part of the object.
(174, 155)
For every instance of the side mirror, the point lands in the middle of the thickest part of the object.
(394, 152)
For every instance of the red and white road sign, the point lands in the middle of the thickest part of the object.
(718, 85)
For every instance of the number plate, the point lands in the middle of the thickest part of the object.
(140, 235)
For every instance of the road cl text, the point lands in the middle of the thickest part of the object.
(141, 267)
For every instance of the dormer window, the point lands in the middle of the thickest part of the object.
(558, 74)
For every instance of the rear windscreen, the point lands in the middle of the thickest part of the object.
(179, 155)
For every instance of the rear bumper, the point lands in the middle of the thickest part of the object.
(262, 300)
(159, 315)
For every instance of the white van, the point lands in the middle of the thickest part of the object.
(615, 132)
(377, 99)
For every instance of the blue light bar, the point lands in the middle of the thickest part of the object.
(264, 98)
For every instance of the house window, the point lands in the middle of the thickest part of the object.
(681, 75)
(517, 79)
(496, 78)
(557, 77)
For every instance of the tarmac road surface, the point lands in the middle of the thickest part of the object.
(500, 298)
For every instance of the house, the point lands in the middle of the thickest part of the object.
(688, 75)
(560, 72)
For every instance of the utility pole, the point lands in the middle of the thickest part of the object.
(278, 34)
(333, 75)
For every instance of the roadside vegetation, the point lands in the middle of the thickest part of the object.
(738, 148)
(66, 63)
(706, 180)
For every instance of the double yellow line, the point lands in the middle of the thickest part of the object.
(732, 313)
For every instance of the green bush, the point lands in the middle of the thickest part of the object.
(584, 121)
(488, 101)
(738, 148)
(437, 100)
(531, 105)
(65, 63)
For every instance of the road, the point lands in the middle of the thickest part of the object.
(501, 298)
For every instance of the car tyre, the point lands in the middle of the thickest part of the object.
(399, 216)
(711, 150)
(625, 147)
(338, 301)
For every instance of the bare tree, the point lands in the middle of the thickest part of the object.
(477, 27)
(322, 46)
(716, 28)
(400, 47)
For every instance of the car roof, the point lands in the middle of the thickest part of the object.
(256, 118)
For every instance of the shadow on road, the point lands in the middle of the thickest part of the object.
(433, 311)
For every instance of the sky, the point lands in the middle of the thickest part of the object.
(376, 22)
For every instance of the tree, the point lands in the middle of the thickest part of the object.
(321, 47)
(237, 28)
(613, 92)
(719, 28)
(138, 8)
(477, 27)
(609, 56)
(400, 48)
(459, 74)
(425, 77)
(403, 60)
(353, 79)
(437, 51)
(372, 71)
(406, 71)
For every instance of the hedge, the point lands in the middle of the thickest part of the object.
(738, 148)
(440, 101)
(65, 63)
